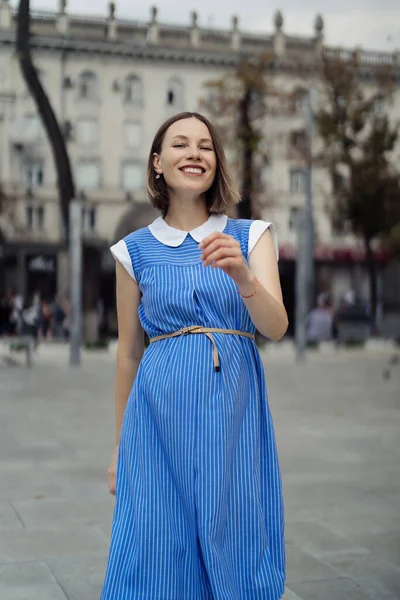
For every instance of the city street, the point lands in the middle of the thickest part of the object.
(337, 423)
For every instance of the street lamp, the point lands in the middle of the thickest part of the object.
(75, 272)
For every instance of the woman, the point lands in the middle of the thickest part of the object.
(198, 512)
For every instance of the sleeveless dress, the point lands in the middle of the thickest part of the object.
(199, 511)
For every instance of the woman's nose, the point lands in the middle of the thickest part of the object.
(194, 152)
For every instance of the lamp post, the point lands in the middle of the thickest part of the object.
(305, 247)
(75, 272)
(309, 224)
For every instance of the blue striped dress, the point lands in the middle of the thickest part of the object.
(198, 512)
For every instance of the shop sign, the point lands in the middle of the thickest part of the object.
(41, 264)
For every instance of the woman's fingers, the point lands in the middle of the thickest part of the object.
(220, 247)
(222, 253)
(111, 481)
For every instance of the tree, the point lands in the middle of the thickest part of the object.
(64, 174)
(66, 187)
(237, 102)
(358, 141)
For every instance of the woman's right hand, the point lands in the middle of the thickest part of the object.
(112, 471)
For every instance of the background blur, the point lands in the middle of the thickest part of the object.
(308, 106)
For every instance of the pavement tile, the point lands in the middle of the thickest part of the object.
(289, 595)
(300, 565)
(330, 589)
(22, 480)
(382, 579)
(81, 579)
(41, 543)
(385, 544)
(8, 518)
(318, 540)
(28, 581)
(51, 512)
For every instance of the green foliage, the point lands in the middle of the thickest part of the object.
(236, 103)
(358, 149)
(358, 143)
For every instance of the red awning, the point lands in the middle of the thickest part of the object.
(334, 254)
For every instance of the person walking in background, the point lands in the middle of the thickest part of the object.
(199, 511)
(31, 317)
(45, 320)
(16, 303)
(320, 321)
(58, 318)
(5, 312)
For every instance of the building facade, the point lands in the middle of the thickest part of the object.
(111, 83)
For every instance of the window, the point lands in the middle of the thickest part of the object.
(33, 173)
(133, 134)
(88, 86)
(40, 217)
(297, 181)
(29, 217)
(87, 132)
(89, 218)
(33, 128)
(88, 175)
(133, 91)
(35, 217)
(132, 177)
(298, 139)
(175, 93)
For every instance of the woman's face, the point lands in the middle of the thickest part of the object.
(187, 160)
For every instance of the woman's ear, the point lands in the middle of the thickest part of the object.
(157, 162)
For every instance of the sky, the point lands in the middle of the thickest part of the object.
(371, 24)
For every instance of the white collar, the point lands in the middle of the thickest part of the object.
(170, 236)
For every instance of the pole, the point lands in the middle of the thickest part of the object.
(301, 286)
(75, 267)
(309, 223)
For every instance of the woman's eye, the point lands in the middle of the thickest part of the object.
(205, 148)
(178, 145)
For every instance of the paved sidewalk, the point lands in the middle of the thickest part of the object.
(338, 429)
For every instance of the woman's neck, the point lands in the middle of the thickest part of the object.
(186, 214)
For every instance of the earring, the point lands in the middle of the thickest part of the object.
(158, 176)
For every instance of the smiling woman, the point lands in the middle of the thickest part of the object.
(199, 512)
(204, 143)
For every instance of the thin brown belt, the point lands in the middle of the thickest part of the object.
(207, 331)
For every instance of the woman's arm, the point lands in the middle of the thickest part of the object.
(130, 342)
(266, 307)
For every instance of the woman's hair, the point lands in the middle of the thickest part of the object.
(223, 192)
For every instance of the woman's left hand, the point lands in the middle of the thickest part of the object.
(223, 251)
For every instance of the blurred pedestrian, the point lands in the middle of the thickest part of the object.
(16, 303)
(320, 321)
(5, 313)
(58, 318)
(199, 510)
(45, 320)
(31, 317)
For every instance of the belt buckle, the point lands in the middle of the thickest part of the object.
(184, 330)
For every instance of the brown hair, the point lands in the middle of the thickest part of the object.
(223, 192)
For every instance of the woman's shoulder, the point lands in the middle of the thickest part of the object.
(249, 231)
(139, 235)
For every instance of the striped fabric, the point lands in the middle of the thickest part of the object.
(199, 512)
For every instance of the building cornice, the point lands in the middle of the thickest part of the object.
(300, 52)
